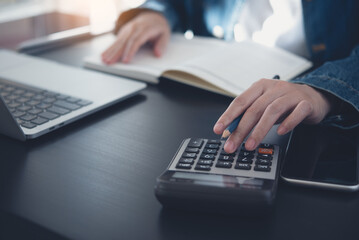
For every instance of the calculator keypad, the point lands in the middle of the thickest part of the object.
(203, 155)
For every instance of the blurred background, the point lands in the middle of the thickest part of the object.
(23, 21)
(36, 25)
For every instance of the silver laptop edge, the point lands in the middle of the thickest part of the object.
(101, 89)
(70, 117)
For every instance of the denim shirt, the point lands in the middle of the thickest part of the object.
(332, 35)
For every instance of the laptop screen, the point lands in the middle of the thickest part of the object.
(26, 31)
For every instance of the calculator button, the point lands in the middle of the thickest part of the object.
(192, 150)
(244, 166)
(203, 167)
(264, 162)
(209, 150)
(215, 146)
(197, 143)
(184, 166)
(268, 151)
(188, 155)
(213, 141)
(228, 154)
(264, 156)
(221, 164)
(245, 153)
(262, 168)
(243, 148)
(266, 145)
(186, 160)
(245, 159)
(208, 156)
(205, 162)
(226, 158)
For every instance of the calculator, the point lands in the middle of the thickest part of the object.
(202, 176)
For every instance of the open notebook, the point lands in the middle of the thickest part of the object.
(207, 63)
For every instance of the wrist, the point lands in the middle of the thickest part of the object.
(336, 104)
(129, 15)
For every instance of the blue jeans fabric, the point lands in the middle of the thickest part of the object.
(332, 35)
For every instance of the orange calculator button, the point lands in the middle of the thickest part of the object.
(265, 151)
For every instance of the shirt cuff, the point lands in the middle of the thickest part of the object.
(165, 9)
(346, 115)
(155, 6)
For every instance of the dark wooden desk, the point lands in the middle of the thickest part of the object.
(94, 179)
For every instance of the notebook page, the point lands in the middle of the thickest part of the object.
(145, 66)
(236, 66)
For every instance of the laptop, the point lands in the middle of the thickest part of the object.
(38, 96)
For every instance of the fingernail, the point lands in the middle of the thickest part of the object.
(281, 131)
(250, 144)
(229, 145)
(158, 52)
(218, 127)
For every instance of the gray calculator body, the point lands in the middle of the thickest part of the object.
(201, 176)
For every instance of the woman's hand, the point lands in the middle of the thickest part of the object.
(266, 103)
(147, 26)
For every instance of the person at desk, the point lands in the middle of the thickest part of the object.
(326, 32)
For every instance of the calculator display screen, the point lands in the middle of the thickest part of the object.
(218, 180)
(322, 154)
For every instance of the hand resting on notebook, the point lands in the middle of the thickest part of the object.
(147, 26)
(268, 102)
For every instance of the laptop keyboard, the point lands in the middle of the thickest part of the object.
(34, 106)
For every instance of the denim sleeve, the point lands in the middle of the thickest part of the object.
(341, 79)
(165, 7)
